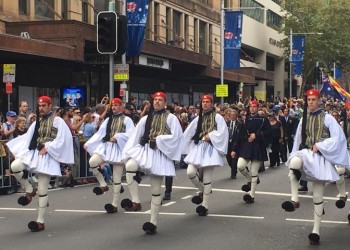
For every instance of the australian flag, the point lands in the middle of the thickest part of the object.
(136, 12)
(329, 90)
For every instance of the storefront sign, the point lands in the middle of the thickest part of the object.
(96, 58)
(275, 42)
(153, 61)
(9, 74)
(221, 90)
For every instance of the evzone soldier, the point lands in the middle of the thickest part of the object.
(205, 143)
(340, 203)
(106, 145)
(252, 149)
(152, 148)
(48, 142)
(319, 145)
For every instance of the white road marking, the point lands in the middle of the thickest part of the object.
(236, 216)
(169, 203)
(79, 211)
(17, 209)
(149, 212)
(323, 221)
(186, 197)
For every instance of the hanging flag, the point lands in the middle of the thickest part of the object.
(328, 89)
(332, 88)
(232, 39)
(339, 88)
(298, 45)
(136, 12)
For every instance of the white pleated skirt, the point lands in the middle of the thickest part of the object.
(151, 161)
(110, 152)
(315, 166)
(44, 164)
(204, 155)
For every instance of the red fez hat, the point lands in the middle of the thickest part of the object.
(45, 99)
(254, 102)
(209, 97)
(311, 92)
(116, 100)
(347, 105)
(159, 94)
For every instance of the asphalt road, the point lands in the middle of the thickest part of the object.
(76, 219)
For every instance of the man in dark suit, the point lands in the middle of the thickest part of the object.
(234, 127)
(289, 125)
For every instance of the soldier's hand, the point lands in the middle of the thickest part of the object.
(42, 151)
(233, 154)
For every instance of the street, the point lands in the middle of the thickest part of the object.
(76, 218)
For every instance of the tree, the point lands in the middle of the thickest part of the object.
(332, 18)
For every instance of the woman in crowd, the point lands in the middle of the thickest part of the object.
(20, 127)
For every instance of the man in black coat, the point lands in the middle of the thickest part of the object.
(289, 125)
(234, 130)
(255, 131)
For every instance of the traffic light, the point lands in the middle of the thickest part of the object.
(107, 32)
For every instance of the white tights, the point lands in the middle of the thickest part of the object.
(205, 186)
(318, 191)
(17, 168)
(252, 175)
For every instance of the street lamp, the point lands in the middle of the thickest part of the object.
(222, 43)
(291, 55)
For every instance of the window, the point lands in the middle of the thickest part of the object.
(148, 29)
(23, 7)
(84, 12)
(177, 28)
(156, 21)
(64, 12)
(186, 31)
(44, 10)
(167, 25)
(273, 20)
(257, 14)
(194, 42)
(202, 37)
(204, 1)
(270, 63)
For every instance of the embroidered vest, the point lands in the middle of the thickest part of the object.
(47, 132)
(159, 125)
(117, 125)
(208, 124)
(316, 131)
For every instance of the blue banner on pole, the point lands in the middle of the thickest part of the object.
(232, 39)
(298, 53)
(136, 12)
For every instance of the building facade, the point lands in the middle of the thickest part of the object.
(53, 45)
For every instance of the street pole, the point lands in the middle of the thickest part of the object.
(111, 7)
(290, 61)
(222, 57)
(124, 55)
